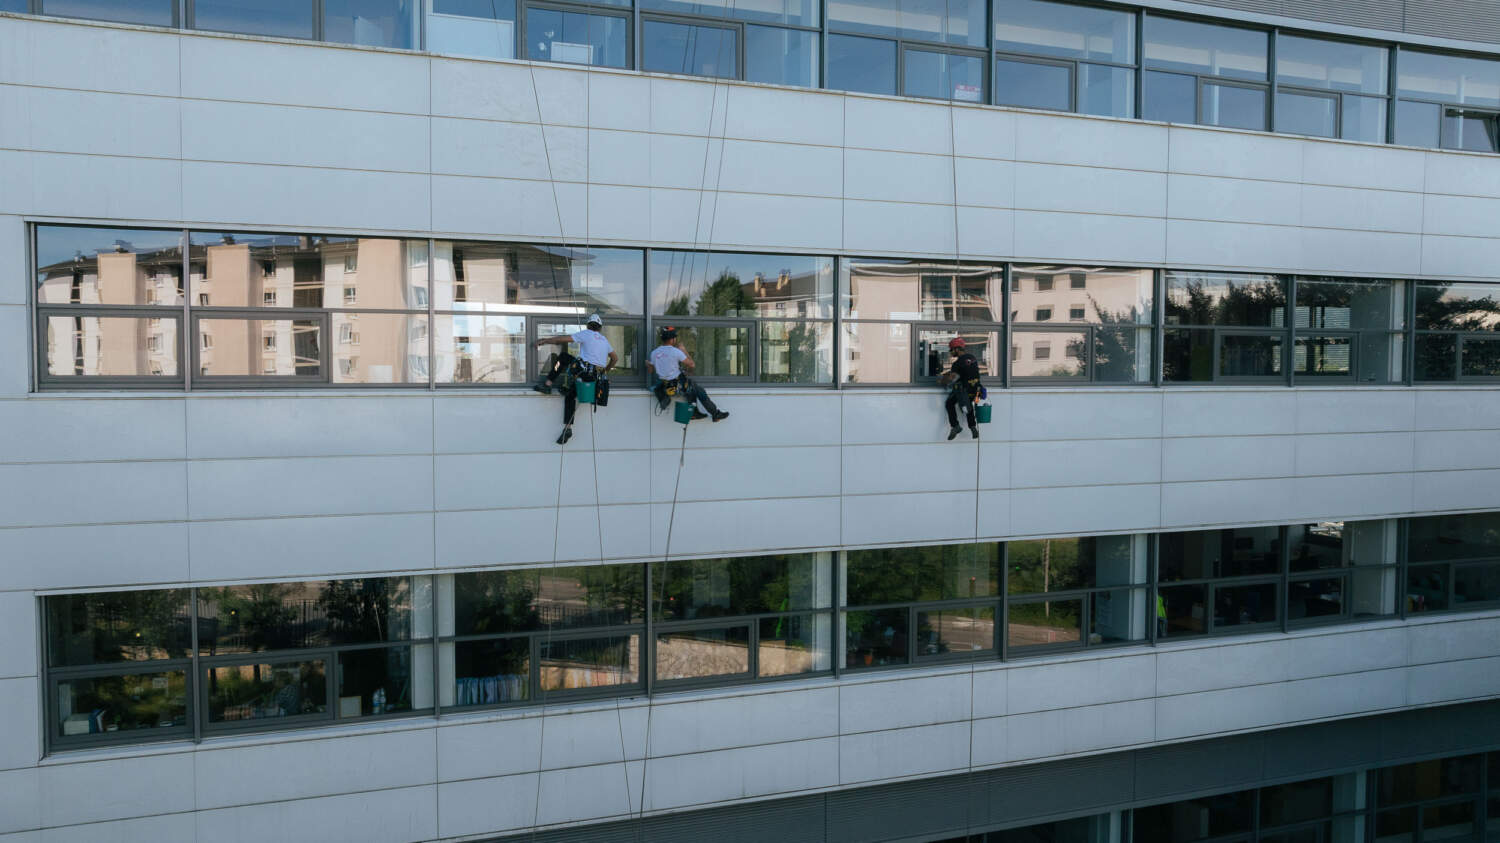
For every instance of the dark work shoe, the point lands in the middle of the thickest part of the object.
(699, 414)
(663, 403)
(974, 431)
(952, 432)
(562, 438)
(543, 387)
(721, 415)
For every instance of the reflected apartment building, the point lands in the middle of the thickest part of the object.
(288, 550)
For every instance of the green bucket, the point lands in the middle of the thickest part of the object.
(982, 413)
(584, 391)
(682, 412)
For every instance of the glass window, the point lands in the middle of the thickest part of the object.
(740, 285)
(280, 18)
(147, 12)
(535, 599)
(796, 352)
(374, 681)
(788, 645)
(492, 672)
(1223, 298)
(1171, 97)
(1205, 48)
(1418, 123)
(372, 23)
(958, 22)
(877, 353)
(1065, 30)
(122, 626)
(1307, 114)
(946, 632)
(1447, 78)
(1363, 119)
(111, 346)
(794, 12)
(781, 56)
(715, 588)
(261, 691)
(1033, 84)
(1334, 65)
(1474, 131)
(876, 638)
(576, 37)
(921, 290)
(570, 664)
(1233, 106)
(524, 278)
(1106, 91)
(108, 266)
(484, 28)
(702, 653)
(307, 271)
(1428, 780)
(1046, 565)
(1195, 819)
(480, 348)
(1206, 554)
(943, 76)
(245, 348)
(1457, 306)
(936, 572)
(1044, 623)
(289, 616)
(121, 706)
(867, 65)
(684, 48)
(373, 348)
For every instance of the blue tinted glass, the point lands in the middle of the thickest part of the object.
(781, 56)
(694, 50)
(1205, 48)
(1171, 97)
(150, 12)
(945, 21)
(1469, 130)
(1364, 119)
(372, 23)
(1058, 29)
(944, 76)
(485, 28)
(795, 12)
(1301, 114)
(495, 9)
(1228, 105)
(861, 64)
(1032, 85)
(13, 6)
(1107, 91)
(1448, 78)
(575, 37)
(1417, 124)
(284, 18)
(1339, 65)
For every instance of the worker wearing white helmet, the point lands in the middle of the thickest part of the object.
(595, 357)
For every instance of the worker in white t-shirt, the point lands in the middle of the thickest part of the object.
(668, 361)
(595, 358)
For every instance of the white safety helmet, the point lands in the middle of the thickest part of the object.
(595, 319)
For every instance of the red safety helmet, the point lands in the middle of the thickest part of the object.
(956, 342)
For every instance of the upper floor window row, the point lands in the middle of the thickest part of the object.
(121, 307)
(1102, 60)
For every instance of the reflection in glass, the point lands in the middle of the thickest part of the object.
(262, 691)
(1049, 354)
(921, 289)
(1427, 587)
(260, 347)
(943, 76)
(1205, 48)
(796, 352)
(492, 672)
(694, 50)
(1170, 97)
(112, 346)
(1106, 295)
(781, 56)
(146, 12)
(1044, 623)
(1033, 84)
(80, 265)
(1207, 554)
(254, 270)
(876, 637)
(1306, 114)
(624, 338)
(122, 626)
(371, 23)
(1242, 605)
(1106, 91)
(1180, 610)
(570, 597)
(934, 572)
(1065, 30)
(285, 616)
(279, 18)
(1470, 130)
(959, 22)
(375, 681)
(793, 644)
(1479, 358)
(376, 348)
(1330, 356)
(1196, 819)
(1428, 779)
(860, 64)
(480, 348)
(1321, 545)
(577, 663)
(718, 351)
(1225, 298)
(1296, 802)
(1333, 65)
(104, 704)
(947, 632)
(1448, 78)
(526, 278)
(1436, 357)
(575, 37)
(691, 589)
(934, 358)
(1363, 119)
(876, 352)
(1039, 566)
(1418, 123)
(1476, 584)
(1233, 106)
(1313, 599)
(1117, 615)
(793, 12)
(484, 28)
(699, 653)
(740, 285)
(1250, 355)
(1457, 306)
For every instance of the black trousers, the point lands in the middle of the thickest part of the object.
(962, 393)
(560, 364)
(689, 390)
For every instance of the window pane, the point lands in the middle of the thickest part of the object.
(719, 352)
(1205, 48)
(377, 681)
(286, 616)
(372, 23)
(934, 358)
(867, 65)
(935, 572)
(480, 348)
(697, 653)
(575, 37)
(794, 644)
(781, 56)
(260, 347)
(1480, 358)
(1044, 565)
(288, 270)
(1305, 114)
(1049, 354)
(373, 348)
(1196, 819)
(111, 346)
(1315, 599)
(1335, 65)
(123, 626)
(1427, 587)
(1475, 584)
(148, 12)
(1205, 554)
(1436, 357)
(1372, 592)
(944, 76)
(1250, 355)
(1350, 303)
(950, 632)
(1225, 298)
(875, 638)
(1106, 91)
(1319, 546)
(591, 595)
(1118, 615)
(795, 12)
(921, 290)
(108, 266)
(1033, 84)
(518, 277)
(1364, 119)
(106, 704)
(1456, 306)
(1188, 356)
(1180, 610)
(579, 663)
(1296, 802)
(491, 672)
(944, 21)
(1122, 355)
(1417, 124)
(1065, 30)
(694, 50)
(1330, 356)
(1448, 78)
(1233, 106)
(1171, 97)
(1107, 296)
(1396, 826)
(714, 588)
(484, 28)
(876, 353)
(1428, 779)
(1454, 821)
(263, 691)
(1469, 130)
(1245, 605)
(281, 18)
(624, 338)
(740, 285)
(1047, 623)
(796, 352)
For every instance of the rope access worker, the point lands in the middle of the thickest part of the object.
(668, 361)
(964, 379)
(595, 358)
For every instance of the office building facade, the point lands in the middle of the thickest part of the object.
(288, 551)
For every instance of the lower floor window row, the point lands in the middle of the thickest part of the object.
(187, 662)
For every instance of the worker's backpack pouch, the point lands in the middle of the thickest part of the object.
(601, 392)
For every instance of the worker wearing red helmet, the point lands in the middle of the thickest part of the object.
(963, 376)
